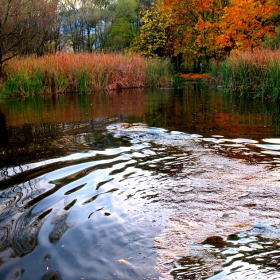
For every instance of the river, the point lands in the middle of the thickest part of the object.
(141, 184)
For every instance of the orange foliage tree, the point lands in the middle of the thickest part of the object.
(246, 23)
(196, 25)
(205, 29)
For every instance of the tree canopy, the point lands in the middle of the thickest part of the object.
(205, 29)
(24, 26)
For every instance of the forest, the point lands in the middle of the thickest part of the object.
(197, 31)
(190, 32)
(192, 36)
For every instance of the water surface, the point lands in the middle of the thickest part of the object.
(81, 174)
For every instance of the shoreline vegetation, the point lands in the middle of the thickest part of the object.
(82, 73)
(253, 74)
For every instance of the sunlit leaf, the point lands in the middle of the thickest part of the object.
(121, 261)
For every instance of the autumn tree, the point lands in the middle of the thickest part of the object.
(246, 23)
(273, 43)
(153, 35)
(23, 26)
(180, 28)
(205, 29)
(185, 16)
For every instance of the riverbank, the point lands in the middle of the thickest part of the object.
(82, 73)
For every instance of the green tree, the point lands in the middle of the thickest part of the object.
(124, 26)
(85, 23)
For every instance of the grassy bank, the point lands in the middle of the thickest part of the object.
(82, 73)
(254, 74)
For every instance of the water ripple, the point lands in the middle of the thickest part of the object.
(253, 254)
(78, 207)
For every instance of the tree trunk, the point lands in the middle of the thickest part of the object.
(1, 50)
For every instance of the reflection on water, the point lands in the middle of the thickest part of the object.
(79, 194)
(253, 254)
(84, 212)
(29, 126)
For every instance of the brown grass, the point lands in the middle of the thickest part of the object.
(85, 72)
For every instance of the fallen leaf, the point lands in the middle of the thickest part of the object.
(121, 261)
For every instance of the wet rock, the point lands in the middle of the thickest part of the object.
(216, 241)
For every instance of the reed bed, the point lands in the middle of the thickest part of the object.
(254, 74)
(83, 73)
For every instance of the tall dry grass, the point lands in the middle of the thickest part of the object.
(83, 73)
(254, 74)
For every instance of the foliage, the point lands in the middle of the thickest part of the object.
(192, 31)
(273, 43)
(24, 26)
(83, 24)
(203, 30)
(97, 25)
(245, 24)
(153, 35)
(83, 73)
(123, 27)
(48, 26)
(255, 74)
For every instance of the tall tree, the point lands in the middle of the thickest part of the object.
(85, 23)
(124, 25)
(154, 34)
(207, 27)
(23, 26)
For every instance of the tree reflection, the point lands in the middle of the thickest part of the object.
(4, 139)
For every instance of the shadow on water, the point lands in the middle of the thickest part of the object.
(79, 195)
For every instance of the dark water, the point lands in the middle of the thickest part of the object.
(78, 196)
